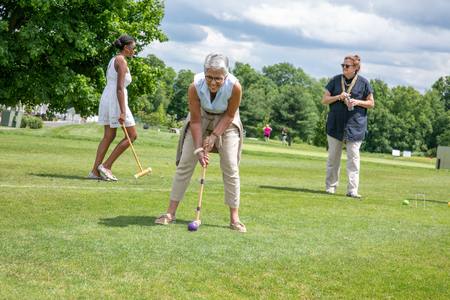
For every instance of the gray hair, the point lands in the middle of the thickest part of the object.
(216, 61)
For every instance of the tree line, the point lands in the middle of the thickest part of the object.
(286, 97)
(57, 52)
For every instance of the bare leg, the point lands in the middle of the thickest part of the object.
(234, 215)
(172, 208)
(108, 137)
(120, 148)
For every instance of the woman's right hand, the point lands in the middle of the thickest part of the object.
(203, 159)
(344, 96)
(122, 118)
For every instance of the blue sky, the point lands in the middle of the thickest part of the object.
(405, 42)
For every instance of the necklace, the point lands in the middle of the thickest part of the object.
(121, 55)
(350, 85)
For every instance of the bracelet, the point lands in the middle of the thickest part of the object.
(213, 133)
(198, 150)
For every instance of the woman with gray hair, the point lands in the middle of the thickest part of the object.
(214, 99)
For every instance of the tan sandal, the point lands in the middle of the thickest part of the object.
(354, 195)
(164, 219)
(238, 226)
(330, 191)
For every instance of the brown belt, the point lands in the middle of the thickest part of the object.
(212, 113)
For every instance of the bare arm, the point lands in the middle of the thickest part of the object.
(196, 117)
(328, 99)
(368, 103)
(228, 116)
(196, 123)
(120, 64)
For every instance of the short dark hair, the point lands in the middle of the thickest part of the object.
(123, 40)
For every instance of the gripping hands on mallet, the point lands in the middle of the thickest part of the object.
(203, 157)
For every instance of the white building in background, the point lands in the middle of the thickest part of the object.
(70, 115)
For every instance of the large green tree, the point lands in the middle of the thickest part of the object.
(56, 51)
(164, 89)
(286, 74)
(380, 122)
(179, 105)
(413, 123)
(248, 77)
(442, 86)
(294, 109)
(258, 93)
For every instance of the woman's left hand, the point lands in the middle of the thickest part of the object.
(209, 144)
(352, 102)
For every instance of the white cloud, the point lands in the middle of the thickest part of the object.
(225, 16)
(343, 25)
(392, 49)
(193, 54)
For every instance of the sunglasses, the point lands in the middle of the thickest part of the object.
(346, 66)
(131, 46)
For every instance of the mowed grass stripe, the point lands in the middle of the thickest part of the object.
(63, 236)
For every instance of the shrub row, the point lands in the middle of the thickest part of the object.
(32, 122)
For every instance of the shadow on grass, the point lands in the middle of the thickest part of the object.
(61, 176)
(125, 221)
(283, 188)
(420, 200)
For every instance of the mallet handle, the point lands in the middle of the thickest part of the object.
(199, 203)
(131, 146)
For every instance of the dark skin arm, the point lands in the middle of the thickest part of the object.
(225, 122)
(196, 124)
(228, 116)
(120, 65)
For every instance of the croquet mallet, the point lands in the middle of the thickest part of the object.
(143, 172)
(199, 204)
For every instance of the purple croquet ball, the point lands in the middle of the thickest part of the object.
(193, 226)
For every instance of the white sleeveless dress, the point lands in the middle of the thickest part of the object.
(109, 109)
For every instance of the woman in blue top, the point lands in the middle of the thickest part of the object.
(349, 96)
(214, 99)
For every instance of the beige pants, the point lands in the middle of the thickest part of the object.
(228, 154)
(334, 164)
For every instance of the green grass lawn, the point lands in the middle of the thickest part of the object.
(63, 236)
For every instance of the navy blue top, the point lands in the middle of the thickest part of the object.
(340, 119)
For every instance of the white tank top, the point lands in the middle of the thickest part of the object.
(220, 103)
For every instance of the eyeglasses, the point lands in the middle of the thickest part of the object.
(346, 66)
(132, 46)
(216, 79)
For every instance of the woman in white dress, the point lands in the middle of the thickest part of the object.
(113, 110)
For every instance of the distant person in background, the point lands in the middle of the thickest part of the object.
(113, 110)
(349, 96)
(267, 131)
(284, 134)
